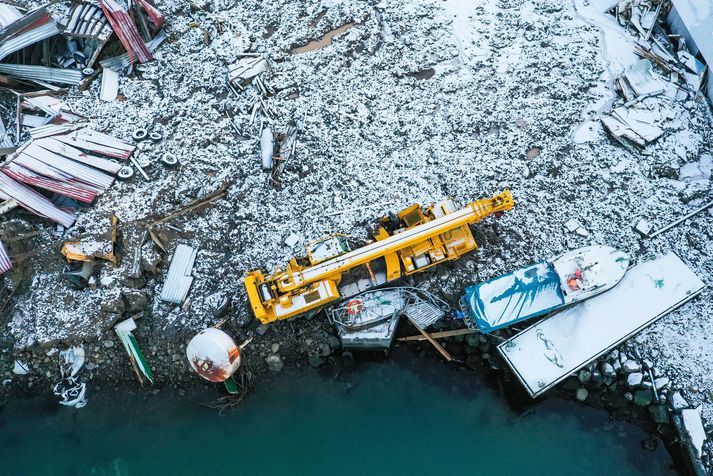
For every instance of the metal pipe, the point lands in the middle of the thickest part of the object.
(681, 220)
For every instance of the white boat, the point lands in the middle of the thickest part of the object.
(543, 287)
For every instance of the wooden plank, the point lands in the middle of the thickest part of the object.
(438, 335)
(435, 344)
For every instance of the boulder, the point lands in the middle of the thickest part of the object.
(677, 402)
(693, 425)
(274, 363)
(658, 413)
(274, 348)
(635, 379)
(316, 361)
(472, 340)
(596, 376)
(608, 370)
(582, 394)
(617, 366)
(136, 300)
(334, 342)
(662, 382)
(631, 366)
(643, 397)
(261, 329)
(473, 361)
(584, 376)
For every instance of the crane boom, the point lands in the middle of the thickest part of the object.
(415, 239)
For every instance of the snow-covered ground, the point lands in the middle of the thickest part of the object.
(417, 101)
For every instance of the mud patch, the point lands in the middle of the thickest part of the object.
(533, 152)
(325, 40)
(423, 74)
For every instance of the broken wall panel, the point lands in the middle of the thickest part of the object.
(86, 20)
(75, 169)
(28, 177)
(546, 353)
(33, 201)
(5, 263)
(32, 28)
(125, 28)
(110, 85)
(178, 280)
(42, 73)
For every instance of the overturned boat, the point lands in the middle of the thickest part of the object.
(543, 287)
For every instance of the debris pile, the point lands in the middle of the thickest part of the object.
(666, 72)
(70, 389)
(61, 161)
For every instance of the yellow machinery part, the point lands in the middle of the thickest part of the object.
(427, 239)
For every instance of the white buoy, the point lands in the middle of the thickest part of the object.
(213, 354)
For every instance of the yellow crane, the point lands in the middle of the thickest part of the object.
(414, 238)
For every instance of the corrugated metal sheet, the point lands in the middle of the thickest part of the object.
(86, 20)
(154, 14)
(51, 130)
(58, 147)
(8, 15)
(33, 201)
(42, 73)
(100, 143)
(122, 61)
(28, 30)
(5, 263)
(40, 167)
(5, 140)
(28, 177)
(125, 28)
(179, 279)
(77, 170)
(51, 106)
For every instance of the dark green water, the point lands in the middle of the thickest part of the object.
(394, 417)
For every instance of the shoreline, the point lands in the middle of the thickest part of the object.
(476, 362)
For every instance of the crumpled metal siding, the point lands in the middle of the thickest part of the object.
(179, 279)
(34, 202)
(122, 61)
(21, 174)
(34, 27)
(125, 28)
(86, 20)
(42, 73)
(8, 15)
(5, 263)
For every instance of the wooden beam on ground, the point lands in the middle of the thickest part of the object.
(430, 339)
(438, 335)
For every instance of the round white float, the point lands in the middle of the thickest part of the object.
(213, 354)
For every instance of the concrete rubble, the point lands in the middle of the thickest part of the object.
(411, 101)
